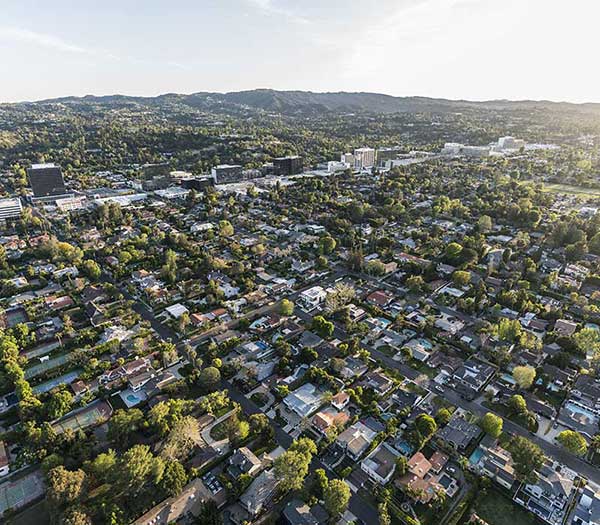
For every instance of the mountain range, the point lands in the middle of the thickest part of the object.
(291, 102)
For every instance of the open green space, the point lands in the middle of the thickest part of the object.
(494, 507)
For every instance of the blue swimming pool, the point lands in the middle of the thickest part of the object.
(476, 456)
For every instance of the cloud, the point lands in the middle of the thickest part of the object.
(16, 34)
(269, 7)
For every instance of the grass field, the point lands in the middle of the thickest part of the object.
(572, 190)
(497, 509)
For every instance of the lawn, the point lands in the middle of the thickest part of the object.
(573, 190)
(497, 509)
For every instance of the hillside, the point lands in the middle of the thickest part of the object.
(290, 102)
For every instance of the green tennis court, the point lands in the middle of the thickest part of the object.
(91, 415)
(15, 494)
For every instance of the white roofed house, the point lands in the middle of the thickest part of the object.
(176, 310)
(305, 400)
(312, 297)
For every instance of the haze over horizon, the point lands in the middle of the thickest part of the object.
(454, 49)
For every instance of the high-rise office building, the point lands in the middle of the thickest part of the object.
(47, 183)
(284, 166)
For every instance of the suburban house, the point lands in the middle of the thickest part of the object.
(356, 439)
(260, 493)
(305, 400)
(459, 433)
(549, 497)
(380, 464)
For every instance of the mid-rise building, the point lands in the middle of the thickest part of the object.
(364, 158)
(47, 183)
(285, 166)
(385, 154)
(347, 158)
(227, 173)
(10, 208)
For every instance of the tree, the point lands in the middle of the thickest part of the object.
(573, 441)
(461, 278)
(137, 467)
(123, 424)
(485, 223)
(443, 416)
(91, 269)
(237, 429)
(524, 375)
(292, 466)
(426, 425)
(64, 486)
(527, 458)
(209, 377)
(384, 514)
(341, 295)
(375, 267)
(336, 497)
(517, 405)
(59, 404)
(209, 514)
(286, 307)
(260, 426)
(103, 465)
(415, 283)
(491, 424)
(225, 228)
(76, 516)
(327, 244)
(182, 439)
(401, 465)
(323, 327)
(587, 341)
(320, 483)
(174, 479)
(509, 329)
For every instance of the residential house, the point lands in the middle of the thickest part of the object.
(260, 493)
(305, 400)
(243, 461)
(459, 433)
(380, 464)
(356, 439)
(549, 497)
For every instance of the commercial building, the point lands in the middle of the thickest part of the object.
(47, 183)
(285, 166)
(227, 173)
(385, 154)
(197, 183)
(364, 158)
(10, 208)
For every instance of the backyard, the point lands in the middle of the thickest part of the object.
(496, 508)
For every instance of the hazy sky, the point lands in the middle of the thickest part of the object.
(470, 49)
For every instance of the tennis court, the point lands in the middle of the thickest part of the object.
(41, 350)
(85, 417)
(65, 379)
(40, 368)
(17, 493)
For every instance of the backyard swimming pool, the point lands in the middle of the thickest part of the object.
(476, 456)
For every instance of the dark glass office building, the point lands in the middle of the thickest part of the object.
(284, 166)
(46, 181)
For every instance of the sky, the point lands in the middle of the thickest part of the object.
(456, 49)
